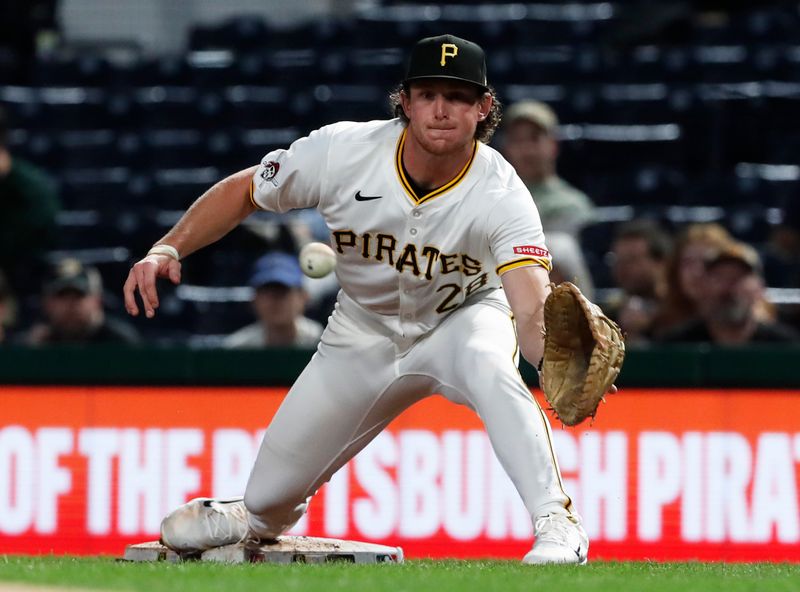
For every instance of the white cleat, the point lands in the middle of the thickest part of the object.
(204, 523)
(560, 538)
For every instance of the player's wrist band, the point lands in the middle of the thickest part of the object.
(168, 250)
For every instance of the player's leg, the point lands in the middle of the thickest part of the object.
(346, 395)
(321, 425)
(484, 376)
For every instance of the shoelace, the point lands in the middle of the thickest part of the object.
(224, 526)
(554, 528)
(249, 538)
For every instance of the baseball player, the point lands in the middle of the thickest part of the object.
(444, 271)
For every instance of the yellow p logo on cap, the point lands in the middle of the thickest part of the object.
(449, 50)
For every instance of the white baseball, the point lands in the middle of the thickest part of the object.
(317, 260)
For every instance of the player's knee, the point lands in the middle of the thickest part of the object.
(485, 364)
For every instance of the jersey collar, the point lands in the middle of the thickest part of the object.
(420, 199)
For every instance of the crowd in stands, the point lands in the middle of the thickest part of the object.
(667, 191)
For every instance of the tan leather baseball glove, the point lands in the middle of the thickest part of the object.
(583, 354)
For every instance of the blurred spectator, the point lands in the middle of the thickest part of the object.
(729, 313)
(638, 255)
(685, 275)
(530, 144)
(569, 264)
(72, 303)
(782, 251)
(6, 305)
(28, 208)
(279, 303)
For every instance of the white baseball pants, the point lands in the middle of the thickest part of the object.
(362, 377)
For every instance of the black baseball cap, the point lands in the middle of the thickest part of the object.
(72, 275)
(447, 56)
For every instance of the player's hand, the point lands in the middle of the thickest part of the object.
(143, 276)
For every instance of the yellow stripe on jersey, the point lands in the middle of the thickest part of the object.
(524, 262)
(253, 197)
(398, 163)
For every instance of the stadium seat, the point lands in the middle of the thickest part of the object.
(212, 69)
(177, 188)
(636, 186)
(381, 67)
(289, 68)
(99, 228)
(392, 26)
(600, 148)
(9, 66)
(342, 102)
(95, 188)
(554, 64)
(37, 146)
(637, 104)
(81, 70)
(255, 143)
(84, 149)
(176, 148)
(242, 33)
(63, 108)
(722, 63)
(176, 107)
(749, 223)
(259, 107)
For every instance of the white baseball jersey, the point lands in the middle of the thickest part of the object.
(411, 259)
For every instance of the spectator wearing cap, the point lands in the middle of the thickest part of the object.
(530, 143)
(734, 296)
(72, 305)
(279, 302)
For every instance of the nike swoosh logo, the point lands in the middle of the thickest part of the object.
(360, 197)
(207, 503)
(577, 551)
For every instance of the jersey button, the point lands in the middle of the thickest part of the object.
(416, 214)
(413, 232)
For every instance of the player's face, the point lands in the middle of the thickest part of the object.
(634, 269)
(71, 312)
(277, 305)
(733, 291)
(443, 114)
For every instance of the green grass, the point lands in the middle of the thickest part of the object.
(437, 576)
